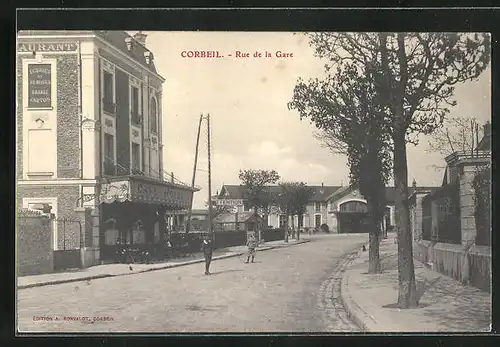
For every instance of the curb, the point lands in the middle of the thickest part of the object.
(352, 308)
(169, 266)
(354, 311)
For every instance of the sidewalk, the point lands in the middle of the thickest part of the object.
(111, 270)
(445, 304)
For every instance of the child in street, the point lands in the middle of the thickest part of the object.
(207, 248)
(251, 244)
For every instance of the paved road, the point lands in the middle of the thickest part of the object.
(290, 289)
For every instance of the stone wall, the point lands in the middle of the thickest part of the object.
(67, 197)
(34, 244)
(469, 266)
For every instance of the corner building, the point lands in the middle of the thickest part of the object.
(89, 139)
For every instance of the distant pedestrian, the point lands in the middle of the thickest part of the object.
(251, 244)
(207, 248)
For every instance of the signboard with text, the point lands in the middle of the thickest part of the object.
(162, 194)
(229, 202)
(39, 86)
(47, 47)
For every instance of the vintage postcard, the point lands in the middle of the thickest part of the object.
(218, 182)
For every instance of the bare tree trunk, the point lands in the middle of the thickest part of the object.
(374, 254)
(286, 228)
(374, 250)
(257, 226)
(407, 297)
(293, 227)
(298, 229)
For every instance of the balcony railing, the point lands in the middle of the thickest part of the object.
(108, 106)
(109, 168)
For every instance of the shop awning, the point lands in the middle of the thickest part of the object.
(145, 190)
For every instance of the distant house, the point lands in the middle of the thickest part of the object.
(199, 219)
(341, 208)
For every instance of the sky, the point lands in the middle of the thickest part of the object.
(251, 125)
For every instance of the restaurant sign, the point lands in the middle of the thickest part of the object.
(39, 86)
(144, 192)
(161, 194)
(47, 47)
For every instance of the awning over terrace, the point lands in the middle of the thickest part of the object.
(145, 190)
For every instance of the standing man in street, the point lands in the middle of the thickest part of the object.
(207, 247)
(251, 244)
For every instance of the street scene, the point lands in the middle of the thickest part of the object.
(323, 182)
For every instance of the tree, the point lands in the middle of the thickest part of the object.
(255, 189)
(415, 76)
(301, 196)
(292, 201)
(342, 106)
(457, 135)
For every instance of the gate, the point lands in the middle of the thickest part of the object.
(69, 242)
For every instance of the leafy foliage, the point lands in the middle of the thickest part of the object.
(423, 68)
(293, 197)
(482, 204)
(343, 106)
(255, 187)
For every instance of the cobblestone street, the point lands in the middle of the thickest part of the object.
(290, 289)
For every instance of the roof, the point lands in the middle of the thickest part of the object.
(231, 217)
(117, 39)
(324, 193)
(390, 192)
(236, 191)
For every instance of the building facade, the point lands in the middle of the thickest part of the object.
(89, 137)
(341, 208)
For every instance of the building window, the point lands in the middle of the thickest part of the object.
(282, 221)
(134, 106)
(153, 116)
(245, 206)
(317, 206)
(109, 155)
(136, 158)
(108, 93)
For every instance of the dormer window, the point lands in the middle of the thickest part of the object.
(130, 43)
(149, 57)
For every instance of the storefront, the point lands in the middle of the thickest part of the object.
(135, 210)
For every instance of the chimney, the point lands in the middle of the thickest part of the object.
(140, 37)
(487, 129)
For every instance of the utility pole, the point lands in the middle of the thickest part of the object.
(209, 182)
(188, 228)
